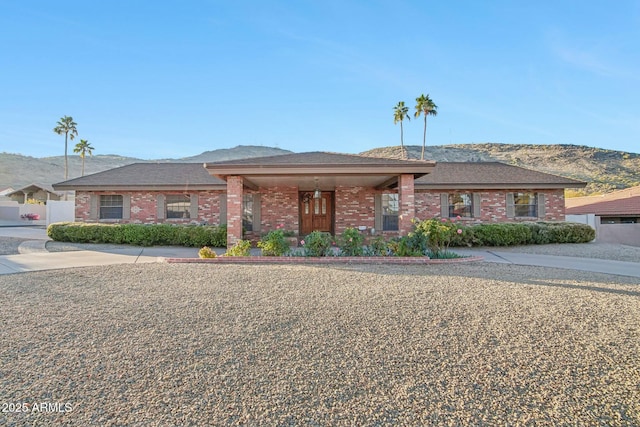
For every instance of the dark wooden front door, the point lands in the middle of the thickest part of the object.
(316, 214)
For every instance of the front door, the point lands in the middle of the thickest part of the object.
(316, 214)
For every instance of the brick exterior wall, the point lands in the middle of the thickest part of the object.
(144, 207)
(234, 209)
(406, 205)
(493, 206)
(354, 207)
(279, 206)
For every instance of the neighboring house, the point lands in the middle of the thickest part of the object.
(38, 192)
(616, 215)
(317, 191)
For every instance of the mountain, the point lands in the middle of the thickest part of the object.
(604, 170)
(18, 171)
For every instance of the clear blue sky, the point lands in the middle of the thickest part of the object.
(154, 79)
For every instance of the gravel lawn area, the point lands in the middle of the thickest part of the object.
(447, 345)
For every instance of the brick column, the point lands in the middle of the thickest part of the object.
(407, 204)
(234, 209)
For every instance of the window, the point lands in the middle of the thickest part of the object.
(178, 206)
(525, 204)
(247, 212)
(389, 212)
(111, 207)
(461, 205)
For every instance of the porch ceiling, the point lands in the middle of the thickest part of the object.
(323, 182)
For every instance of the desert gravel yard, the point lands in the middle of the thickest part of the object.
(450, 345)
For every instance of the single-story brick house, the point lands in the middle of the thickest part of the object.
(317, 191)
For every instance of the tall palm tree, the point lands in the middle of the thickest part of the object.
(83, 147)
(425, 105)
(66, 126)
(400, 112)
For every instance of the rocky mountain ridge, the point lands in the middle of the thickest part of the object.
(604, 170)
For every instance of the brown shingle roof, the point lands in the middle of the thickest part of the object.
(468, 175)
(621, 202)
(180, 176)
(316, 158)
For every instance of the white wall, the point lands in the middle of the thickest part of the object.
(9, 211)
(60, 211)
(589, 219)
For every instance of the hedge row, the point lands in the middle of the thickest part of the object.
(140, 234)
(525, 233)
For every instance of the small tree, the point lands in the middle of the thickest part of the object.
(83, 147)
(66, 126)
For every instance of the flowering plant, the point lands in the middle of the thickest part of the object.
(351, 242)
(439, 234)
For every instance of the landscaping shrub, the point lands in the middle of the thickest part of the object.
(140, 234)
(439, 234)
(525, 233)
(377, 247)
(413, 244)
(506, 234)
(206, 252)
(317, 243)
(351, 242)
(274, 243)
(241, 248)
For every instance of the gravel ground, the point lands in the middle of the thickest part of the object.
(447, 345)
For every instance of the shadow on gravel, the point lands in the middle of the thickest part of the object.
(548, 277)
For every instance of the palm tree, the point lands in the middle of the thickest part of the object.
(400, 112)
(425, 105)
(66, 126)
(83, 147)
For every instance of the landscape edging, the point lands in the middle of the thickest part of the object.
(320, 260)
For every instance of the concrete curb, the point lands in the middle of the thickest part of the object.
(33, 247)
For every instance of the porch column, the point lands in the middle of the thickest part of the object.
(234, 209)
(407, 205)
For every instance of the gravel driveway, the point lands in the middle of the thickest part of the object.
(177, 344)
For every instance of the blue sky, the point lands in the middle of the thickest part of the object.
(154, 79)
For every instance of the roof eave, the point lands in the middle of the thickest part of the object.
(496, 186)
(222, 171)
(173, 187)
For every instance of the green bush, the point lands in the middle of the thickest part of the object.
(413, 244)
(206, 252)
(241, 248)
(317, 243)
(506, 234)
(274, 243)
(140, 234)
(351, 242)
(377, 247)
(525, 233)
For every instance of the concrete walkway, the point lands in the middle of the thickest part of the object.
(596, 265)
(34, 256)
